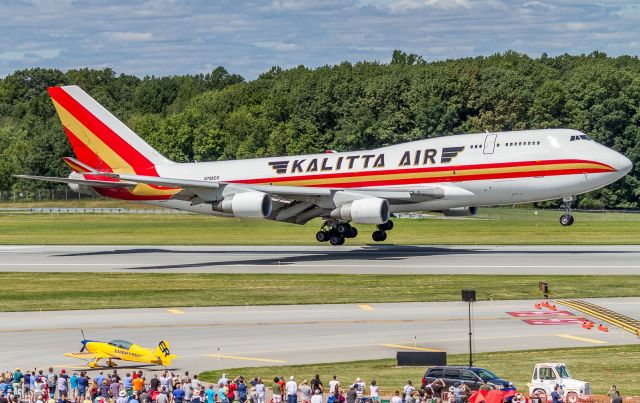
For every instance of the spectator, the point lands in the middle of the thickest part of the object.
(452, 394)
(73, 386)
(100, 378)
(223, 397)
(282, 387)
(185, 378)
(316, 384)
(231, 392)
(196, 383)
(317, 396)
(373, 389)
(332, 385)
(52, 380)
(223, 381)
(555, 395)
(165, 381)
(242, 390)
(396, 397)
(162, 396)
(292, 390)
(305, 392)
(128, 384)
(104, 389)
(210, 395)
(178, 394)
(63, 386)
(275, 389)
(137, 385)
(260, 391)
(134, 398)
(359, 386)
(144, 397)
(437, 387)
(612, 393)
(155, 383)
(411, 398)
(115, 388)
(617, 398)
(352, 395)
(122, 397)
(17, 382)
(408, 388)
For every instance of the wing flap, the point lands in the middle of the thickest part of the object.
(88, 356)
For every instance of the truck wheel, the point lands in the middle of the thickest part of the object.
(572, 397)
(542, 394)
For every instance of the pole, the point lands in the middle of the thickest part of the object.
(470, 351)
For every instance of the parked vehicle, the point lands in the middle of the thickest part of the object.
(474, 377)
(547, 375)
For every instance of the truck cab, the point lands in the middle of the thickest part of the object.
(547, 375)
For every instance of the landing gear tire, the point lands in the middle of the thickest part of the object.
(322, 236)
(336, 240)
(353, 232)
(379, 236)
(388, 226)
(566, 220)
(343, 229)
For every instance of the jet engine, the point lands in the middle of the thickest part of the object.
(460, 212)
(371, 210)
(246, 204)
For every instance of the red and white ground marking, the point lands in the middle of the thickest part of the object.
(534, 314)
(554, 321)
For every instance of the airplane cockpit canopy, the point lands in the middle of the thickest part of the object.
(121, 343)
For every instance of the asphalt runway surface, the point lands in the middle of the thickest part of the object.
(370, 259)
(228, 337)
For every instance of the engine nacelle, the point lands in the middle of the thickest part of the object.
(246, 205)
(370, 210)
(460, 212)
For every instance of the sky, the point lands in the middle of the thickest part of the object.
(173, 37)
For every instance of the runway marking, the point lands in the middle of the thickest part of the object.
(586, 339)
(366, 307)
(433, 350)
(235, 357)
(175, 311)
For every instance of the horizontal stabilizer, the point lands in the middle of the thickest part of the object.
(78, 166)
(87, 182)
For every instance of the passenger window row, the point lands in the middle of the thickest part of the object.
(580, 137)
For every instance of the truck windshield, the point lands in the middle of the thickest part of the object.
(484, 374)
(563, 372)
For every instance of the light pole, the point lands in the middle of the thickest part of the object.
(469, 296)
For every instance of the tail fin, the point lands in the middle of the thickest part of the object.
(163, 353)
(99, 139)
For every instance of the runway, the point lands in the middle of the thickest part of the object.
(224, 337)
(371, 259)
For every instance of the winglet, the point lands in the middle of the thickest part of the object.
(78, 166)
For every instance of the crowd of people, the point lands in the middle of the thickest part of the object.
(40, 386)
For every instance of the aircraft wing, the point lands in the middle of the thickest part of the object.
(88, 356)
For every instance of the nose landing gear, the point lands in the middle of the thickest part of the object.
(567, 218)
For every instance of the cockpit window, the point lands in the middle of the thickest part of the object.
(580, 137)
(121, 343)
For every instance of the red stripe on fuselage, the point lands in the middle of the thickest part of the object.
(139, 163)
(384, 172)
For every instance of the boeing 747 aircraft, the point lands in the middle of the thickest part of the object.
(452, 174)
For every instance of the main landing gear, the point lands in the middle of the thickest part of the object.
(567, 218)
(381, 234)
(336, 232)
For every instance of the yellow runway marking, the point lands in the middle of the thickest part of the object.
(588, 340)
(433, 350)
(175, 311)
(235, 357)
(366, 307)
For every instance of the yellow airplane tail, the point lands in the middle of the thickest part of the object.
(163, 353)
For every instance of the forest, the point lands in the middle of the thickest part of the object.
(348, 106)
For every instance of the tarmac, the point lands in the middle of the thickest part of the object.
(228, 337)
(369, 259)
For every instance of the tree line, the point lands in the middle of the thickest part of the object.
(347, 106)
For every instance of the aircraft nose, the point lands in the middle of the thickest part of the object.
(622, 164)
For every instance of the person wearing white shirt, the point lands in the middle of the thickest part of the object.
(396, 398)
(223, 381)
(317, 397)
(332, 385)
(292, 390)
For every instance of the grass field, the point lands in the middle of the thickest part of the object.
(63, 291)
(601, 366)
(491, 226)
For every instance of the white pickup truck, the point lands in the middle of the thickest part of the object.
(547, 375)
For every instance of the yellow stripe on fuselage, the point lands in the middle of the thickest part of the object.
(435, 174)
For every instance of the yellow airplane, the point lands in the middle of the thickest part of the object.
(122, 350)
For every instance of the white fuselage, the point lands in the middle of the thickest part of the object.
(474, 169)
